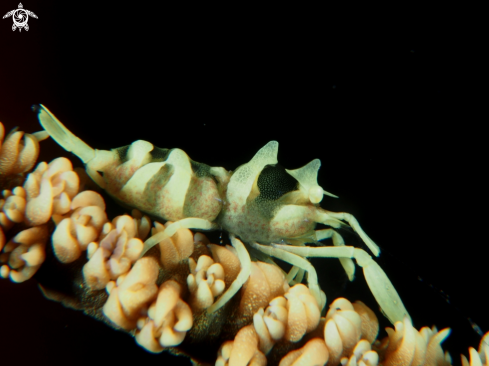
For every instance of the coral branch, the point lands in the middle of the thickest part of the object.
(48, 223)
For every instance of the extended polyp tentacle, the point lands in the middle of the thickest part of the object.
(244, 274)
(188, 223)
(378, 282)
(298, 261)
(325, 216)
(338, 241)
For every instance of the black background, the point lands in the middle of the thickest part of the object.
(390, 100)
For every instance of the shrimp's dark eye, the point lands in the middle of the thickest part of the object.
(273, 182)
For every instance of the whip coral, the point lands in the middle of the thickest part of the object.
(56, 230)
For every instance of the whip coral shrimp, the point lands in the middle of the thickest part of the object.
(261, 203)
(172, 289)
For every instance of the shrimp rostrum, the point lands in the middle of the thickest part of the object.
(266, 209)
